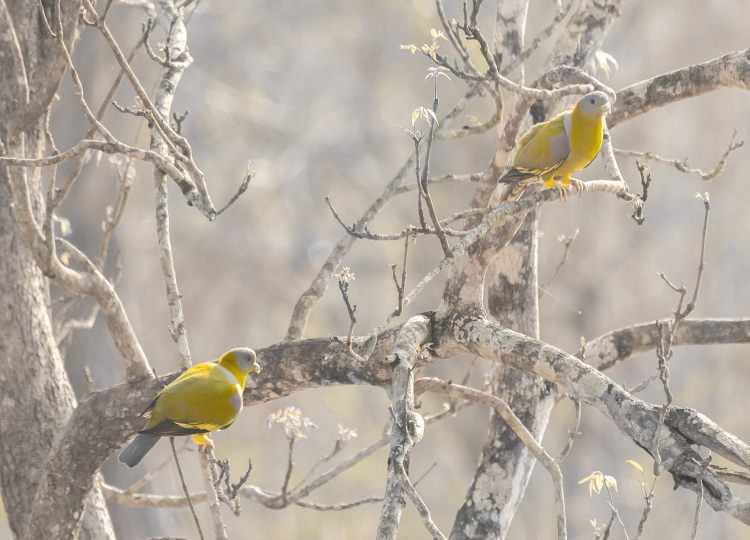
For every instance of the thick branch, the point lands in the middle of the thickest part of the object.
(624, 343)
(683, 428)
(729, 71)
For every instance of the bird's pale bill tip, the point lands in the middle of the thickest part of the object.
(255, 367)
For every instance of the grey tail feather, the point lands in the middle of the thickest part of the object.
(134, 452)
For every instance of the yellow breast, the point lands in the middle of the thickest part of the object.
(586, 136)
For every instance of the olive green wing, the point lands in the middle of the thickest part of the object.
(541, 150)
(206, 399)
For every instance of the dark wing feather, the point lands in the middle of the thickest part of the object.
(515, 175)
(170, 429)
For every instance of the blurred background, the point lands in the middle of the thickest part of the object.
(315, 97)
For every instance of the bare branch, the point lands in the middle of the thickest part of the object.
(572, 434)
(364, 233)
(401, 286)
(684, 427)
(408, 425)
(622, 344)
(419, 503)
(548, 30)
(317, 288)
(501, 407)
(566, 242)
(345, 279)
(667, 330)
(424, 184)
(249, 174)
(210, 480)
(185, 489)
(730, 70)
(682, 165)
(699, 502)
(165, 135)
(178, 58)
(90, 282)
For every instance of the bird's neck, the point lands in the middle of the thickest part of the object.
(229, 363)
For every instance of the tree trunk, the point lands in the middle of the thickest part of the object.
(505, 464)
(35, 395)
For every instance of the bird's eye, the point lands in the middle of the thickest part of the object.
(591, 101)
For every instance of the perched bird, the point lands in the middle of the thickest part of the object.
(206, 397)
(555, 149)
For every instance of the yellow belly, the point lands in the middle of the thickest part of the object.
(586, 135)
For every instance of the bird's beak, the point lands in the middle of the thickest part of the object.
(606, 108)
(255, 367)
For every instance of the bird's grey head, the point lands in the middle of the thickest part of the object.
(245, 359)
(595, 103)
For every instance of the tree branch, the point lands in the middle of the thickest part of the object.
(620, 345)
(730, 70)
(501, 407)
(634, 418)
(407, 428)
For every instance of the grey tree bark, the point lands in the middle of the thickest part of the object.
(506, 464)
(37, 397)
(51, 448)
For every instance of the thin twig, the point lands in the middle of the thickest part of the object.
(541, 36)
(148, 26)
(682, 165)
(566, 241)
(572, 434)
(185, 489)
(667, 329)
(616, 512)
(363, 233)
(249, 174)
(425, 174)
(420, 188)
(699, 502)
(150, 475)
(637, 214)
(307, 300)
(524, 435)
(289, 468)
(472, 178)
(610, 523)
(400, 286)
(338, 507)
(337, 447)
(345, 280)
(229, 492)
(640, 387)
(646, 510)
(420, 505)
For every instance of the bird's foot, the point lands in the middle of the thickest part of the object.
(563, 191)
(203, 441)
(568, 186)
(578, 186)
